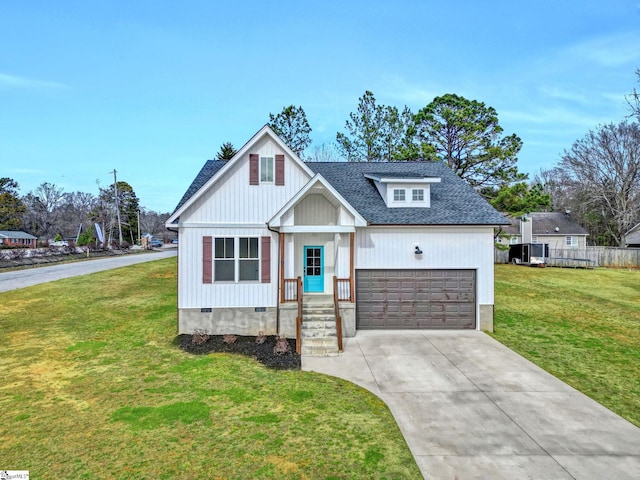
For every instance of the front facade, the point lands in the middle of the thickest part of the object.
(402, 245)
(17, 239)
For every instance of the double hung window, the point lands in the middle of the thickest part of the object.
(266, 169)
(236, 259)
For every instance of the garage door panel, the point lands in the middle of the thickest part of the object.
(409, 299)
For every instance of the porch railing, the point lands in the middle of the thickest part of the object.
(342, 286)
(336, 306)
(299, 316)
(290, 291)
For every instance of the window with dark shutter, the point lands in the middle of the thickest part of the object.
(265, 259)
(254, 169)
(207, 257)
(279, 169)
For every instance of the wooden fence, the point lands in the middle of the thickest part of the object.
(586, 257)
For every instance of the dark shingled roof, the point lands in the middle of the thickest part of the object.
(453, 201)
(546, 222)
(209, 169)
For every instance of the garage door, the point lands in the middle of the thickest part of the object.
(418, 299)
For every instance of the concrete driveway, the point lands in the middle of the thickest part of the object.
(470, 408)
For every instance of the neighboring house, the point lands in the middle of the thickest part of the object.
(557, 229)
(632, 237)
(12, 238)
(410, 242)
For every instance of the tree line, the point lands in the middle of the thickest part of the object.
(50, 213)
(597, 179)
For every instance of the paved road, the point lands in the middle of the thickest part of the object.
(34, 276)
(470, 408)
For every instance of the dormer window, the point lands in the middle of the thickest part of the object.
(404, 190)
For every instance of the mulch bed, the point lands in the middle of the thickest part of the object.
(244, 345)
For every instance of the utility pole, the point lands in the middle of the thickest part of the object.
(115, 189)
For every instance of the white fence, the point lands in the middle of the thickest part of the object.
(586, 257)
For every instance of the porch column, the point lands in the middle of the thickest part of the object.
(281, 266)
(352, 273)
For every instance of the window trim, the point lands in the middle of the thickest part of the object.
(271, 169)
(236, 258)
(570, 241)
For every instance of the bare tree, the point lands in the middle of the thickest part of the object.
(74, 211)
(324, 153)
(603, 172)
(42, 216)
(153, 222)
(633, 99)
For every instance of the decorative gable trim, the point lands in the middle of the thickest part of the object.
(276, 219)
(254, 169)
(279, 169)
(266, 130)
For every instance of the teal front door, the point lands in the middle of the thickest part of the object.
(313, 269)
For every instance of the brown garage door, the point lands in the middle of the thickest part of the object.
(418, 299)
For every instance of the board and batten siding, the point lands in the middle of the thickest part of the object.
(233, 200)
(193, 293)
(315, 209)
(442, 247)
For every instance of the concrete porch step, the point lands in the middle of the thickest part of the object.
(327, 341)
(319, 332)
(319, 351)
(318, 318)
(324, 345)
(318, 311)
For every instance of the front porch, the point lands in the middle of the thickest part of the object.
(316, 265)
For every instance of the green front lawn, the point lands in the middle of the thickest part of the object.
(583, 326)
(92, 386)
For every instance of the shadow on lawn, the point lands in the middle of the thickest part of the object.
(244, 345)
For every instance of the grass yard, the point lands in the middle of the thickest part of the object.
(93, 386)
(583, 326)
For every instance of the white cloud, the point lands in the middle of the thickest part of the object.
(608, 51)
(564, 94)
(395, 87)
(14, 81)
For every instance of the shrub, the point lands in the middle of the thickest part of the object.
(229, 339)
(282, 346)
(199, 337)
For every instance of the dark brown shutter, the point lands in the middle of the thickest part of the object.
(254, 169)
(265, 259)
(279, 169)
(207, 260)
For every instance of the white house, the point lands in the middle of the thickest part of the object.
(557, 229)
(404, 245)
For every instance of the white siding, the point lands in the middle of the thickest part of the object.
(233, 200)
(442, 247)
(315, 209)
(558, 242)
(192, 293)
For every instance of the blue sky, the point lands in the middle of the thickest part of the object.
(153, 88)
